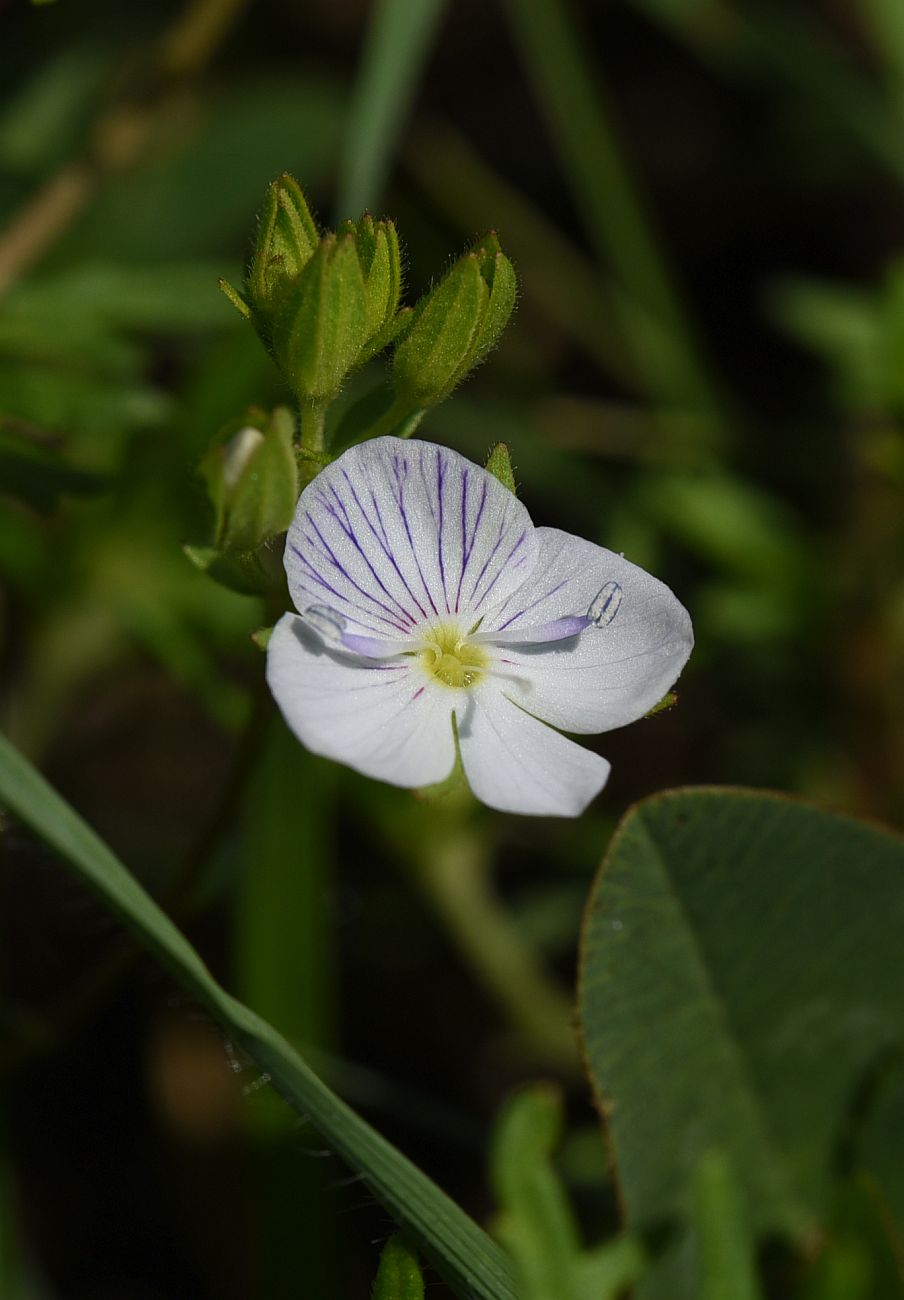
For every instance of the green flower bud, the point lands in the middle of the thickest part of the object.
(253, 484)
(381, 263)
(454, 326)
(286, 239)
(324, 324)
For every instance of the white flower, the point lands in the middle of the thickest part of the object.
(429, 606)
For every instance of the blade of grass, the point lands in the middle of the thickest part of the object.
(395, 51)
(652, 314)
(283, 946)
(459, 1250)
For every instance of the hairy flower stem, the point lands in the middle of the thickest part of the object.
(453, 870)
(312, 421)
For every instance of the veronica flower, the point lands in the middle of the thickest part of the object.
(432, 614)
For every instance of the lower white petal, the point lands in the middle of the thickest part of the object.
(519, 765)
(611, 673)
(375, 717)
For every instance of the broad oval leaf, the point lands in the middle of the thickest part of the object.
(741, 982)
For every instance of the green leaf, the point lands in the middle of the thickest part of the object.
(879, 1149)
(463, 1255)
(740, 979)
(399, 1276)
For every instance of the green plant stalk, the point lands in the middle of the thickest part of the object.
(454, 873)
(396, 49)
(284, 963)
(652, 315)
(461, 1252)
(312, 425)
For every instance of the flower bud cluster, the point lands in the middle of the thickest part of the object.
(323, 304)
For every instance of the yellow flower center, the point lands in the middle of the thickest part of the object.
(452, 659)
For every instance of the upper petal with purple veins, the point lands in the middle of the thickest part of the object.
(396, 534)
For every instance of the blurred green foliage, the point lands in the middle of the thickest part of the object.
(704, 372)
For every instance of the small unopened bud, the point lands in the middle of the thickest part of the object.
(253, 484)
(454, 326)
(381, 264)
(286, 240)
(318, 336)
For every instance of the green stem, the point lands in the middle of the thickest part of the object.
(454, 874)
(312, 421)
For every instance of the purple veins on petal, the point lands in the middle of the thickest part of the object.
(390, 618)
(440, 472)
(489, 559)
(398, 612)
(352, 537)
(605, 604)
(382, 541)
(527, 608)
(401, 476)
(502, 568)
(468, 545)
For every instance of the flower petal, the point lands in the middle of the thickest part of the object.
(395, 534)
(516, 764)
(619, 666)
(375, 717)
